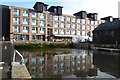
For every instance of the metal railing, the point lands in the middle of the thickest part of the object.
(14, 57)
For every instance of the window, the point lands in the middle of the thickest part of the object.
(73, 32)
(25, 13)
(25, 21)
(62, 18)
(74, 26)
(62, 25)
(25, 29)
(92, 22)
(16, 29)
(44, 8)
(34, 22)
(83, 27)
(68, 19)
(50, 17)
(42, 61)
(96, 23)
(68, 32)
(83, 33)
(88, 21)
(56, 31)
(73, 20)
(42, 30)
(43, 15)
(50, 23)
(78, 32)
(34, 15)
(78, 26)
(88, 27)
(62, 31)
(68, 25)
(56, 24)
(42, 23)
(16, 20)
(56, 18)
(42, 68)
(16, 12)
(92, 27)
(34, 61)
(34, 30)
(83, 21)
(78, 20)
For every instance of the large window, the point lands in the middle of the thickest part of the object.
(43, 15)
(50, 17)
(62, 31)
(42, 30)
(68, 19)
(78, 32)
(50, 23)
(83, 21)
(25, 29)
(78, 20)
(56, 18)
(73, 20)
(34, 22)
(25, 21)
(74, 26)
(62, 25)
(79, 26)
(68, 26)
(34, 15)
(83, 27)
(62, 18)
(68, 32)
(56, 24)
(16, 29)
(34, 30)
(83, 33)
(92, 22)
(88, 27)
(16, 20)
(25, 13)
(42, 23)
(56, 31)
(16, 12)
(73, 32)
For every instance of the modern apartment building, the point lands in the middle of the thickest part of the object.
(50, 24)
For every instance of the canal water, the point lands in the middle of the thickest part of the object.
(71, 63)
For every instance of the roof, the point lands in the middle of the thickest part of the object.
(108, 25)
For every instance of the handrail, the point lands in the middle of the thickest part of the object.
(22, 59)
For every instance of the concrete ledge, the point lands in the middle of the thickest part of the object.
(20, 71)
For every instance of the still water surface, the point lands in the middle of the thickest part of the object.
(71, 63)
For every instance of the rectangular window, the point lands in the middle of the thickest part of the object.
(83, 27)
(73, 20)
(42, 23)
(68, 25)
(16, 20)
(34, 15)
(25, 21)
(56, 24)
(78, 20)
(62, 31)
(50, 17)
(16, 12)
(34, 30)
(79, 26)
(83, 33)
(78, 32)
(63, 25)
(25, 29)
(16, 29)
(74, 26)
(73, 32)
(83, 21)
(68, 19)
(50, 23)
(88, 27)
(56, 31)
(43, 15)
(25, 13)
(34, 22)
(92, 22)
(88, 21)
(56, 18)
(62, 18)
(42, 30)
(68, 32)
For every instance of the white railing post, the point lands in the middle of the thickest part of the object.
(14, 56)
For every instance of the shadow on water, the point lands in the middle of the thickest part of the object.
(70, 63)
(107, 62)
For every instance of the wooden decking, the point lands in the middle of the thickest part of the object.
(106, 49)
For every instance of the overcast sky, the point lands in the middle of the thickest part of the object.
(102, 7)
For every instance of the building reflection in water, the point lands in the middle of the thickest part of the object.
(60, 64)
(107, 62)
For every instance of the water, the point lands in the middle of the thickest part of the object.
(71, 63)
